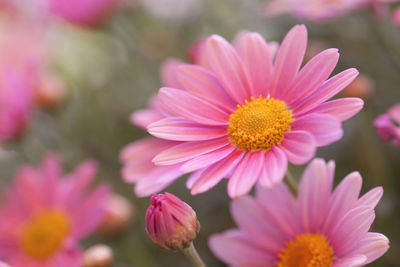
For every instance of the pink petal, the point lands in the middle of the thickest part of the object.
(343, 108)
(251, 218)
(169, 73)
(228, 68)
(146, 146)
(343, 198)
(204, 84)
(143, 117)
(281, 212)
(246, 174)
(288, 60)
(373, 246)
(235, 248)
(180, 129)
(329, 89)
(192, 108)
(350, 261)
(312, 75)
(216, 172)
(350, 229)
(371, 198)
(325, 128)
(188, 150)
(299, 146)
(207, 159)
(275, 167)
(313, 198)
(256, 58)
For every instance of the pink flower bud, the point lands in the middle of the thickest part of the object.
(171, 223)
(119, 213)
(98, 256)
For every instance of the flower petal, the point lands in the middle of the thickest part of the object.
(169, 73)
(373, 246)
(275, 167)
(299, 146)
(183, 104)
(246, 174)
(350, 261)
(288, 60)
(180, 129)
(371, 198)
(343, 108)
(228, 68)
(325, 128)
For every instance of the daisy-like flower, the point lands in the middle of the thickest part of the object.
(249, 112)
(44, 216)
(388, 125)
(318, 228)
(137, 157)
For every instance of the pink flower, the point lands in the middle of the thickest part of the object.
(16, 102)
(396, 17)
(388, 125)
(137, 156)
(250, 112)
(315, 10)
(47, 215)
(317, 228)
(82, 12)
(171, 223)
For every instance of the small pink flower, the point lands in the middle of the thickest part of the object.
(82, 12)
(316, 228)
(137, 157)
(47, 215)
(388, 125)
(171, 223)
(251, 110)
(315, 10)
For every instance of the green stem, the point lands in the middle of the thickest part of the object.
(194, 257)
(291, 182)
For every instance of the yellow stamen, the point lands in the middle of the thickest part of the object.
(259, 124)
(44, 234)
(307, 250)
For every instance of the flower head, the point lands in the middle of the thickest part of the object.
(171, 223)
(317, 228)
(249, 109)
(47, 215)
(388, 125)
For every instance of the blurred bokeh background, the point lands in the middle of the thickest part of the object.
(112, 69)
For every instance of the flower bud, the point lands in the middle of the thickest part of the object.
(98, 256)
(171, 223)
(50, 92)
(119, 213)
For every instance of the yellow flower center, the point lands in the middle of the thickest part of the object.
(44, 234)
(308, 250)
(259, 124)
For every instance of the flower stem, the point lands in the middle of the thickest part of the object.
(194, 257)
(291, 182)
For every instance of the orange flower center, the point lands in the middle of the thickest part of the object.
(44, 234)
(259, 124)
(307, 250)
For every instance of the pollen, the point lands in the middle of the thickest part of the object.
(43, 235)
(307, 250)
(259, 124)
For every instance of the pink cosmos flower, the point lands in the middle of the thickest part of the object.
(82, 12)
(388, 125)
(316, 228)
(249, 112)
(137, 156)
(47, 215)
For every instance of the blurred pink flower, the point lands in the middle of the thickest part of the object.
(388, 125)
(82, 12)
(137, 156)
(171, 223)
(246, 115)
(47, 215)
(317, 228)
(396, 17)
(16, 102)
